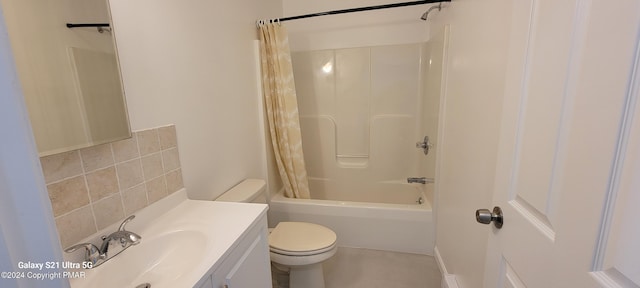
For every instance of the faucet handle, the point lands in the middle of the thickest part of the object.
(121, 228)
(425, 145)
(87, 246)
(91, 252)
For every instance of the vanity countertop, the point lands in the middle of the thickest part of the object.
(182, 240)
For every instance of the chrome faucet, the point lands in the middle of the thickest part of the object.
(421, 180)
(91, 252)
(123, 236)
(94, 254)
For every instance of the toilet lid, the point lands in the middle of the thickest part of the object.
(301, 237)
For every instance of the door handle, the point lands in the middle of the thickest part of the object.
(485, 216)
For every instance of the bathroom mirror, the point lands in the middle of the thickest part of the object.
(69, 76)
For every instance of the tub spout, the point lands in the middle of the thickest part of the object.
(421, 180)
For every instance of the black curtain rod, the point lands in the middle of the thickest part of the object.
(363, 9)
(70, 25)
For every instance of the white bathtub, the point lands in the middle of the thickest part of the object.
(391, 227)
(390, 192)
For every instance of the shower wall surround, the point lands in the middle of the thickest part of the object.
(95, 187)
(360, 114)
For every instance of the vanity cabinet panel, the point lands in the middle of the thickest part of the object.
(248, 265)
(249, 270)
(207, 284)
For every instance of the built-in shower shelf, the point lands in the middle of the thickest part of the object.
(353, 161)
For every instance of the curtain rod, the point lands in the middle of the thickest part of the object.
(100, 26)
(70, 25)
(362, 9)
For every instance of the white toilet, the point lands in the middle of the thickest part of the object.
(299, 247)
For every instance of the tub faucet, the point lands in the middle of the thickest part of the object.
(421, 180)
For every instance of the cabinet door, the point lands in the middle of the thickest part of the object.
(252, 270)
(208, 283)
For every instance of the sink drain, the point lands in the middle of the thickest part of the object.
(144, 285)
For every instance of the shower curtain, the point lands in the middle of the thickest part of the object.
(282, 109)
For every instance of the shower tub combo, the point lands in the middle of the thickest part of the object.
(361, 112)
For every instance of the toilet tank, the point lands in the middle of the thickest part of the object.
(247, 191)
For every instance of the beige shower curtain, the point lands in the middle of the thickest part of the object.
(282, 109)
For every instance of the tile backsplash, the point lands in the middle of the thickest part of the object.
(95, 187)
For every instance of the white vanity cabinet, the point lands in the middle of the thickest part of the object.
(188, 243)
(247, 264)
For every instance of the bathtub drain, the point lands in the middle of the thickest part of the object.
(144, 285)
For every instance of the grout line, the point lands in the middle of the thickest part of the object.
(109, 198)
(65, 179)
(95, 222)
(172, 170)
(120, 190)
(146, 194)
(113, 160)
(86, 185)
(164, 173)
(146, 189)
(70, 212)
(154, 178)
(158, 138)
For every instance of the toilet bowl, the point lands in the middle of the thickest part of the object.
(301, 248)
(296, 247)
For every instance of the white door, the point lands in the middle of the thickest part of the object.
(568, 169)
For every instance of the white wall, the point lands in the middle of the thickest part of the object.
(468, 146)
(191, 64)
(370, 28)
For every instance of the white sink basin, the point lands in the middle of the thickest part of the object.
(162, 260)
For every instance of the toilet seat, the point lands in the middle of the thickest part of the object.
(302, 253)
(301, 239)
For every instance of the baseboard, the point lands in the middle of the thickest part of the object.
(448, 280)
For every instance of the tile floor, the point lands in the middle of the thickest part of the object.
(360, 268)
